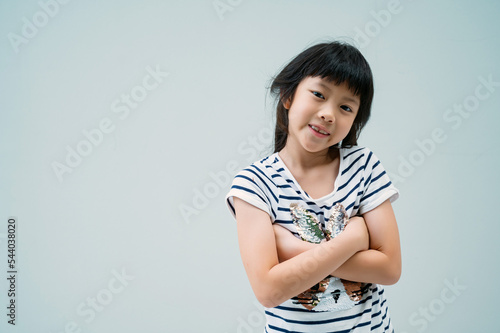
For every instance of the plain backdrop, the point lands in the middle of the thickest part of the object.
(122, 124)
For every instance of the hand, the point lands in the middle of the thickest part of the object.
(287, 245)
(358, 230)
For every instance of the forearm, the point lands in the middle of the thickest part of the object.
(371, 266)
(294, 276)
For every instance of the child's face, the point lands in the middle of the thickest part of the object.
(321, 114)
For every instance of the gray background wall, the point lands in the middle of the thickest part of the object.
(121, 222)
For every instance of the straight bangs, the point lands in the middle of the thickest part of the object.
(341, 65)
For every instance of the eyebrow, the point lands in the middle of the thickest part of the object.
(350, 99)
(324, 85)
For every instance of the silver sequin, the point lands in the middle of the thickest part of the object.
(307, 224)
(337, 221)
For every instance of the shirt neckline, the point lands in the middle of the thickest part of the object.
(335, 185)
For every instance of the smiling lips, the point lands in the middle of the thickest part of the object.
(319, 131)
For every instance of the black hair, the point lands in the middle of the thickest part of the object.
(336, 61)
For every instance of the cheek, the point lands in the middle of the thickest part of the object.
(346, 124)
(295, 119)
(343, 130)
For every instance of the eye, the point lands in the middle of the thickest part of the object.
(317, 94)
(346, 108)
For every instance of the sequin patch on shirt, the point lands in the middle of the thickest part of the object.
(331, 293)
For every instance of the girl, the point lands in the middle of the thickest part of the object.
(308, 278)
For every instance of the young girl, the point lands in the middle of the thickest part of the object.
(316, 229)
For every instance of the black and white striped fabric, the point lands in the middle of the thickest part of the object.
(361, 185)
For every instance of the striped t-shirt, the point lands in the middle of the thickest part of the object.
(361, 185)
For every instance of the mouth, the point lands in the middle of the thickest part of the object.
(318, 130)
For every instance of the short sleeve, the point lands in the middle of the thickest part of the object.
(377, 185)
(249, 186)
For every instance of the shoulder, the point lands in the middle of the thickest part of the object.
(255, 184)
(264, 167)
(357, 157)
(258, 177)
(354, 152)
(375, 184)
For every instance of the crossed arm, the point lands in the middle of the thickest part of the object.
(279, 267)
(381, 263)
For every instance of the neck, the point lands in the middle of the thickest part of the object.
(304, 160)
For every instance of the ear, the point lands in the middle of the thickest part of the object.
(287, 103)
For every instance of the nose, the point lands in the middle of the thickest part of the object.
(327, 119)
(327, 115)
